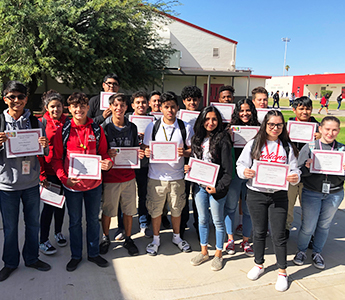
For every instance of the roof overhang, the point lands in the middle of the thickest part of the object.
(200, 72)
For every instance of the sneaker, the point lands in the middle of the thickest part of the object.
(119, 234)
(318, 261)
(230, 247)
(99, 261)
(239, 230)
(5, 273)
(299, 258)
(255, 272)
(165, 222)
(217, 263)
(47, 248)
(73, 264)
(199, 259)
(131, 247)
(104, 245)
(247, 249)
(148, 233)
(282, 283)
(39, 265)
(60, 239)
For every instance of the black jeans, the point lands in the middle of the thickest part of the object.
(141, 178)
(272, 207)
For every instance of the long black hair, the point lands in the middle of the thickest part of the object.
(200, 133)
(261, 136)
(235, 118)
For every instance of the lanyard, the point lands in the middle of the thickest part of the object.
(85, 139)
(321, 145)
(268, 154)
(166, 138)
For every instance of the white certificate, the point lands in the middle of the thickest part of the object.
(85, 166)
(189, 116)
(302, 132)
(270, 175)
(51, 195)
(141, 122)
(23, 143)
(157, 114)
(225, 109)
(262, 112)
(104, 100)
(327, 162)
(163, 152)
(127, 158)
(202, 172)
(241, 135)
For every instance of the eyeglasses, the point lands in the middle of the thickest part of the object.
(272, 125)
(111, 84)
(13, 97)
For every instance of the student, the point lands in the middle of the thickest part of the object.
(321, 195)
(119, 184)
(226, 94)
(272, 143)
(324, 103)
(302, 108)
(19, 182)
(339, 99)
(155, 101)
(211, 143)
(260, 97)
(276, 99)
(52, 119)
(165, 180)
(82, 136)
(191, 98)
(244, 115)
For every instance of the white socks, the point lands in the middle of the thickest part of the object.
(156, 240)
(176, 238)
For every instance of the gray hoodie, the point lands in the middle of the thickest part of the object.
(11, 177)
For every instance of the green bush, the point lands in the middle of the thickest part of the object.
(324, 92)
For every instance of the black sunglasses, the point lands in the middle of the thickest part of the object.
(13, 97)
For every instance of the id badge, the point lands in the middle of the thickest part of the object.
(25, 167)
(326, 187)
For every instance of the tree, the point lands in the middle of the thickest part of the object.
(287, 67)
(77, 42)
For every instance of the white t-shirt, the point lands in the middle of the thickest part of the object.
(168, 171)
(206, 155)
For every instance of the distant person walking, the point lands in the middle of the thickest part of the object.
(292, 98)
(276, 99)
(324, 103)
(339, 99)
(316, 94)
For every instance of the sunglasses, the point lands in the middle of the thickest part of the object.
(13, 97)
(111, 84)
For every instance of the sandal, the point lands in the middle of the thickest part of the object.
(152, 249)
(183, 246)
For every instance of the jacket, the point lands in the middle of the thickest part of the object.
(95, 112)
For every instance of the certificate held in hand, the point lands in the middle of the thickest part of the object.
(202, 172)
(163, 152)
(225, 109)
(85, 166)
(302, 132)
(327, 162)
(127, 158)
(241, 135)
(141, 122)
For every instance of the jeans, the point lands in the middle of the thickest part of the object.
(274, 103)
(92, 200)
(9, 205)
(141, 178)
(272, 207)
(204, 201)
(237, 187)
(318, 211)
(339, 104)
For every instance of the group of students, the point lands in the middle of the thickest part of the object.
(161, 185)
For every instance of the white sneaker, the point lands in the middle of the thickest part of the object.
(255, 272)
(282, 283)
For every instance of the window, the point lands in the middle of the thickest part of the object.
(215, 52)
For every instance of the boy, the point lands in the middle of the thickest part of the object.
(226, 94)
(165, 180)
(19, 179)
(81, 135)
(260, 97)
(155, 101)
(119, 184)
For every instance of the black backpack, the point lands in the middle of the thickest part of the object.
(33, 121)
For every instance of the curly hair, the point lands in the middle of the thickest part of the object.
(226, 88)
(235, 118)
(78, 98)
(50, 96)
(191, 91)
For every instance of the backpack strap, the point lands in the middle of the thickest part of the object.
(2, 122)
(44, 122)
(183, 132)
(155, 129)
(97, 132)
(66, 128)
(287, 150)
(33, 121)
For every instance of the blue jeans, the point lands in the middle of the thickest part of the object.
(92, 201)
(9, 205)
(318, 211)
(237, 187)
(204, 201)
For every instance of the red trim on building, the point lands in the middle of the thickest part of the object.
(202, 29)
(260, 76)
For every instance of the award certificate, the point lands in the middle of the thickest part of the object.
(127, 158)
(301, 131)
(270, 175)
(225, 109)
(327, 162)
(202, 172)
(104, 100)
(163, 152)
(262, 113)
(23, 143)
(241, 135)
(157, 115)
(85, 166)
(51, 195)
(141, 122)
(189, 116)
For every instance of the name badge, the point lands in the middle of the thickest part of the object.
(326, 187)
(25, 167)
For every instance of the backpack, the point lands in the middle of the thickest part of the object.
(33, 122)
(180, 124)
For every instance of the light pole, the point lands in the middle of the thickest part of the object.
(286, 40)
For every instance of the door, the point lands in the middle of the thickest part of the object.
(213, 93)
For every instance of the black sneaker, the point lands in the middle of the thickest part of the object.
(73, 264)
(39, 265)
(5, 273)
(60, 239)
(130, 246)
(318, 261)
(165, 222)
(299, 258)
(99, 261)
(47, 248)
(104, 245)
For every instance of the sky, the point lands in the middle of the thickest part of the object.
(316, 29)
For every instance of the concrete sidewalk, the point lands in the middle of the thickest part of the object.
(170, 275)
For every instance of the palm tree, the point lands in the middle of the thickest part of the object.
(287, 67)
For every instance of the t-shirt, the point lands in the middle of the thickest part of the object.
(168, 171)
(206, 155)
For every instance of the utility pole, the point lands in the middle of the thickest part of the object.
(286, 40)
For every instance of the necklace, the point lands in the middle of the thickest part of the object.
(81, 144)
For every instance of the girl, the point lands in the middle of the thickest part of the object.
(324, 103)
(272, 144)
(244, 115)
(53, 118)
(321, 195)
(210, 143)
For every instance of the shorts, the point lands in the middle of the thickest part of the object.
(159, 191)
(119, 192)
